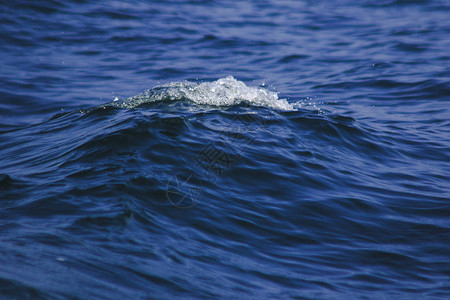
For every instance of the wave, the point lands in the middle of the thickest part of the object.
(223, 92)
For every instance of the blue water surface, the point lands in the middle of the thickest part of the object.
(224, 149)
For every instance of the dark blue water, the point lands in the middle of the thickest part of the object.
(224, 149)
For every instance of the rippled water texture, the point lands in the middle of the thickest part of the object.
(224, 149)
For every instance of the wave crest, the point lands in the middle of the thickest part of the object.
(223, 92)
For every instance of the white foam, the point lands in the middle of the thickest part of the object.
(223, 92)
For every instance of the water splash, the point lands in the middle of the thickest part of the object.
(223, 92)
